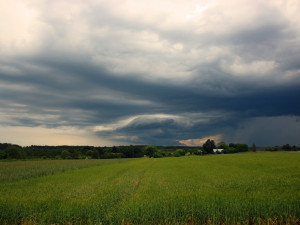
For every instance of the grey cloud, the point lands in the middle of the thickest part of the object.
(61, 83)
(266, 131)
(169, 99)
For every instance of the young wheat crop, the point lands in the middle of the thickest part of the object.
(230, 189)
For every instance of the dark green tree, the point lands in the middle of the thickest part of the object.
(65, 154)
(180, 152)
(242, 147)
(239, 147)
(230, 150)
(253, 147)
(75, 154)
(223, 145)
(14, 152)
(2, 154)
(89, 153)
(208, 146)
(95, 154)
(158, 154)
(286, 147)
(150, 151)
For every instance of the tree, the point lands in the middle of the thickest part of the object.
(76, 154)
(242, 147)
(65, 154)
(89, 153)
(180, 152)
(2, 154)
(209, 146)
(223, 145)
(286, 147)
(150, 151)
(230, 150)
(239, 147)
(158, 154)
(13, 152)
(253, 148)
(95, 154)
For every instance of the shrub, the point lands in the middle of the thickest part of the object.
(176, 154)
(181, 152)
(157, 155)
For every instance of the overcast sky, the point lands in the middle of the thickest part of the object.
(167, 72)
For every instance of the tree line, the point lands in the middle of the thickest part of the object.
(12, 151)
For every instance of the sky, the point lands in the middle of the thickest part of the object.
(171, 72)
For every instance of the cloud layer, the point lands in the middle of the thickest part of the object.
(150, 73)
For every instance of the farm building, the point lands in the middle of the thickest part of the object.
(218, 150)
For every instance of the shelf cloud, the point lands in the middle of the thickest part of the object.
(163, 73)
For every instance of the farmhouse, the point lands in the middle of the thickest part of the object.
(217, 150)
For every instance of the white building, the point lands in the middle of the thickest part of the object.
(217, 150)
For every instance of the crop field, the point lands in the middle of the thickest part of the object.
(18, 170)
(251, 188)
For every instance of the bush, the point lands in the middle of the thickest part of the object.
(199, 152)
(223, 145)
(272, 149)
(157, 155)
(239, 147)
(181, 152)
(229, 150)
(176, 154)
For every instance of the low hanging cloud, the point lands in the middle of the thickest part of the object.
(166, 73)
(201, 141)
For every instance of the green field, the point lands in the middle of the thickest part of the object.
(18, 170)
(252, 188)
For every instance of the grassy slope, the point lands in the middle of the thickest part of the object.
(220, 188)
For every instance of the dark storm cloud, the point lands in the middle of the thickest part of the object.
(71, 86)
(148, 81)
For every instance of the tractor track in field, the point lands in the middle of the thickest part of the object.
(133, 191)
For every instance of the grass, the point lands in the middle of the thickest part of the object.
(241, 188)
(18, 170)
